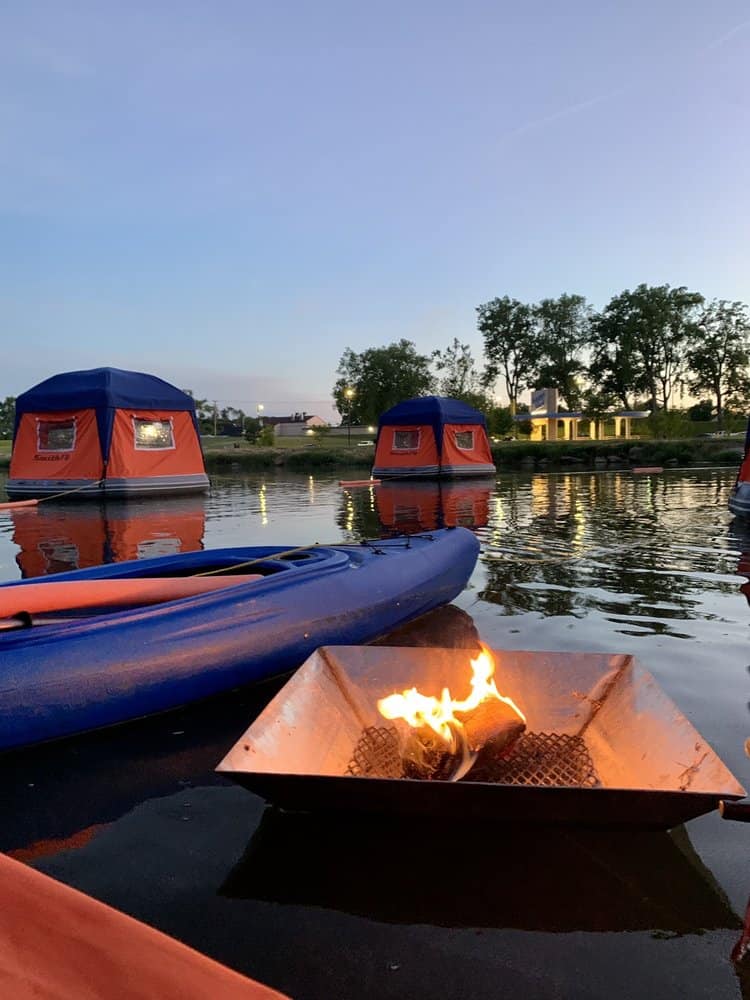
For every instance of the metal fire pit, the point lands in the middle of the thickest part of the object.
(604, 745)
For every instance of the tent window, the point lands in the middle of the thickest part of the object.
(405, 440)
(56, 435)
(153, 435)
(465, 439)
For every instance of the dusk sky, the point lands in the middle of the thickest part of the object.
(228, 194)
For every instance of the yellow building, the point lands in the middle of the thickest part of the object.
(550, 423)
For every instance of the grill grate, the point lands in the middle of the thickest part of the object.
(377, 754)
(542, 759)
(550, 760)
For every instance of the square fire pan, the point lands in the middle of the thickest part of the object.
(654, 769)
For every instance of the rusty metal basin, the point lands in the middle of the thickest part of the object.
(654, 769)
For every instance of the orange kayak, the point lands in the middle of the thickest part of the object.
(59, 944)
(69, 594)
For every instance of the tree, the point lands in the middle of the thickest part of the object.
(7, 417)
(380, 377)
(511, 345)
(597, 405)
(615, 367)
(456, 367)
(652, 327)
(720, 356)
(702, 411)
(563, 332)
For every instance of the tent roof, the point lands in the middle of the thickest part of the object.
(431, 410)
(103, 388)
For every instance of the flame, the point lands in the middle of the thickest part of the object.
(440, 713)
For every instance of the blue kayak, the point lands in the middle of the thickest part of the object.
(71, 674)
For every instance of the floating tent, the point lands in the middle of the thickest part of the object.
(432, 436)
(105, 432)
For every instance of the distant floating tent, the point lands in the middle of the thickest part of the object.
(105, 433)
(432, 436)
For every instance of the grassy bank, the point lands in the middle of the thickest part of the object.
(298, 455)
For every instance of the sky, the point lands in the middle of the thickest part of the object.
(228, 195)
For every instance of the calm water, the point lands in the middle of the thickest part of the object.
(588, 561)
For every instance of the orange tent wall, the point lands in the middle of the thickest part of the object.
(83, 462)
(388, 456)
(480, 454)
(128, 462)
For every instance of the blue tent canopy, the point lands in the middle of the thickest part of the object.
(103, 390)
(435, 411)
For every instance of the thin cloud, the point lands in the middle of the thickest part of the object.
(727, 35)
(572, 109)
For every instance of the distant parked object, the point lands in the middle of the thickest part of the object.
(105, 433)
(432, 436)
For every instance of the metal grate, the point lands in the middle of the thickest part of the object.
(377, 754)
(551, 760)
(542, 759)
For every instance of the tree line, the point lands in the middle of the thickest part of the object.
(641, 351)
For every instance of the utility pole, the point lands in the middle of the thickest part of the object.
(216, 417)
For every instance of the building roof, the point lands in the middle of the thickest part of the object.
(580, 415)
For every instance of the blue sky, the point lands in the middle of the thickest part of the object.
(229, 194)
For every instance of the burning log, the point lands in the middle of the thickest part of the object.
(491, 727)
(447, 736)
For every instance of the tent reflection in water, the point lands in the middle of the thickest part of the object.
(432, 436)
(55, 540)
(406, 506)
(106, 433)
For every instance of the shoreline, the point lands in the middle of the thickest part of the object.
(524, 456)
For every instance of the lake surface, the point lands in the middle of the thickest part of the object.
(614, 562)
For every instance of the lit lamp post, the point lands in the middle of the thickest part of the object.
(349, 393)
(259, 409)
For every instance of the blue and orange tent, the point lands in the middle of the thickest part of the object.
(105, 432)
(432, 436)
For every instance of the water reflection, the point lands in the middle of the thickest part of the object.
(409, 506)
(56, 538)
(463, 875)
(633, 548)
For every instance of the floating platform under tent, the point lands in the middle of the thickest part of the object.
(603, 745)
(105, 433)
(432, 436)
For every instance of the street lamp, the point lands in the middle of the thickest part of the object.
(259, 409)
(349, 393)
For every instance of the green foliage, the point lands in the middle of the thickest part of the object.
(512, 348)
(500, 422)
(266, 438)
(563, 333)
(7, 416)
(458, 377)
(253, 427)
(668, 425)
(700, 411)
(720, 355)
(378, 379)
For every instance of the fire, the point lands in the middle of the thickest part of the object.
(440, 713)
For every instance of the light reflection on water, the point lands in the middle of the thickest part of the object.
(650, 565)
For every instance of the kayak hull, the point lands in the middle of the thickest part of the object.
(60, 679)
